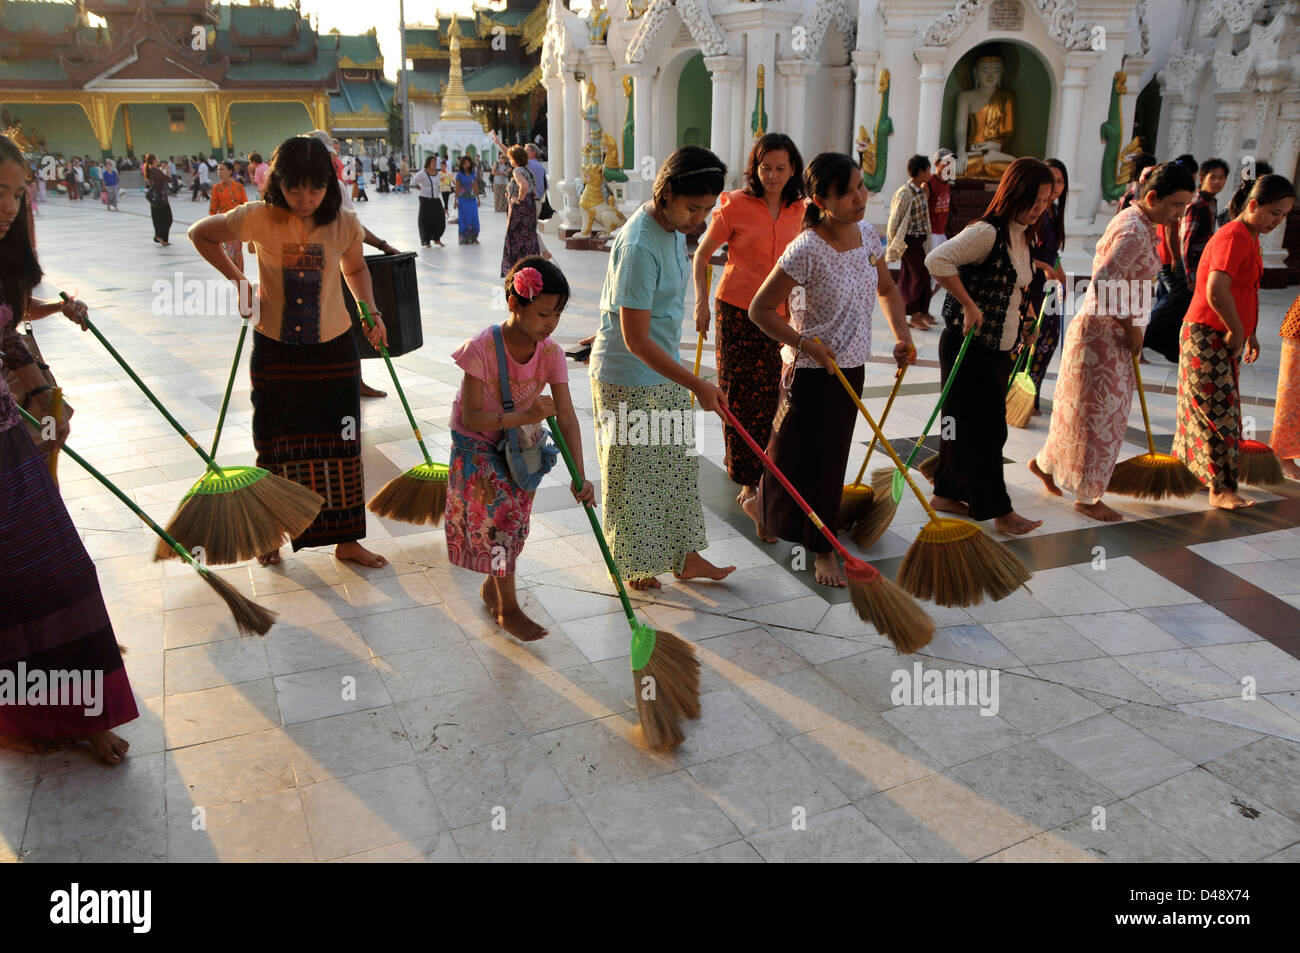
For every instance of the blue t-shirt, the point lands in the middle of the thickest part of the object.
(647, 270)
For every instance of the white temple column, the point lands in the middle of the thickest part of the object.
(1073, 87)
(1182, 121)
(1284, 156)
(555, 128)
(842, 128)
(929, 109)
(1231, 109)
(793, 97)
(723, 70)
(642, 110)
(864, 91)
(569, 212)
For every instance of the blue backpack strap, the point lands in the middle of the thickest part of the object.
(502, 370)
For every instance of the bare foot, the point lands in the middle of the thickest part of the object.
(357, 553)
(1048, 482)
(945, 505)
(1291, 470)
(1037, 412)
(368, 391)
(745, 493)
(1098, 511)
(697, 567)
(110, 747)
(520, 626)
(1229, 500)
(1013, 524)
(750, 506)
(828, 570)
(487, 592)
(34, 745)
(641, 585)
(269, 559)
(919, 324)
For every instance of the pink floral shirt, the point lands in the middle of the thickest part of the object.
(477, 357)
(1126, 260)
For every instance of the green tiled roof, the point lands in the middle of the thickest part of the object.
(421, 36)
(494, 76)
(24, 15)
(274, 70)
(507, 17)
(359, 49)
(263, 21)
(353, 97)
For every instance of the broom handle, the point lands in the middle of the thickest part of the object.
(943, 395)
(1142, 396)
(595, 523)
(112, 487)
(889, 449)
(789, 487)
(230, 384)
(699, 352)
(207, 458)
(1033, 349)
(383, 349)
(898, 380)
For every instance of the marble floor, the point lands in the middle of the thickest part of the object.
(1147, 702)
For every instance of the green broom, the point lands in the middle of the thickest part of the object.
(952, 562)
(250, 618)
(1151, 475)
(668, 661)
(230, 384)
(1022, 392)
(234, 514)
(420, 494)
(887, 484)
(858, 499)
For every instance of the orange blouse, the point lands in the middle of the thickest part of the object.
(225, 196)
(755, 241)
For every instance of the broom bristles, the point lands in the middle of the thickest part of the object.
(894, 613)
(1258, 465)
(675, 669)
(292, 506)
(855, 503)
(1153, 477)
(408, 499)
(929, 466)
(1020, 403)
(250, 618)
(951, 566)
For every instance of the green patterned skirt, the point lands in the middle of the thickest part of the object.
(649, 475)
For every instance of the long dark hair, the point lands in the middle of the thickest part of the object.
(691, 170)
(1265, 190)
(1017, 192)
(299, 161)
(826, 171)
(1058, 208)
(775, 142)
(20, 272)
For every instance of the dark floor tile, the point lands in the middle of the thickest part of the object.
(1266, 616)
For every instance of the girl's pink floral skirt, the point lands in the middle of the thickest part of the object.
(487, 512)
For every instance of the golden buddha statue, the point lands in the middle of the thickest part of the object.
(985, 123)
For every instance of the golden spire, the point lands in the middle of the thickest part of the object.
(455, 101)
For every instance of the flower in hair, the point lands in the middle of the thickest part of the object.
(528, 283)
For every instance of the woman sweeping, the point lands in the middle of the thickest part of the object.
(1045, 251)
(160, 207)
(756, 224)
(1285, 438)
(654, 521)
(487, 512)
(1094, 390)
(52, 613)
(306, 373)
(986, 271)
(467, 202)
(839, 261)
(521, 226)
(1220, 328)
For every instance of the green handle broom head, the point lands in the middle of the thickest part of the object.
(432, 472)
(643, 644)
(229, 480)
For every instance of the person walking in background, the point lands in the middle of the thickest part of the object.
(226, 195)
(111, 185)
(986, 270)
(1220, 329)
(258, 170)
(521, 227)
(500, 180)
(1094, 391)
(160, 207)
(909, 240)
(432, 219)
(467, 188)
(404, 170)
(445, 185)
(939, 200)
(1045, 251)
(756, 223)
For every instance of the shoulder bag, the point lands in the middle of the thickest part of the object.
(529, 450)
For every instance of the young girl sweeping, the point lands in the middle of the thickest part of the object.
(487, 511)
(839, 261)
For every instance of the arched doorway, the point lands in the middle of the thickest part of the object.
(1026, 75)
(694, 104)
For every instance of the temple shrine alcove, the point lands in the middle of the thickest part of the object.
(694, 103)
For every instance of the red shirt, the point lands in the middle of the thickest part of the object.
(1166, 259)
(940, 199)
(1233, 249)
(754, 240)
